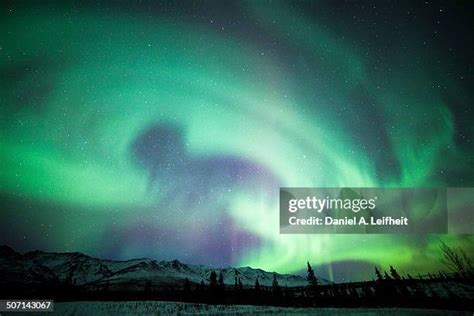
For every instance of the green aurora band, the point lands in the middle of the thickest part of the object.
(93, 80)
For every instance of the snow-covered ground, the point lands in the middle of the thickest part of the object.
(167, 308)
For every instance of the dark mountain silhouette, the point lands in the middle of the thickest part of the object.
(81, 270)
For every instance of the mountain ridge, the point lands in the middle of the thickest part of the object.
(79, 269)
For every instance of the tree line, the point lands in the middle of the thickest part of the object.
(387, 288)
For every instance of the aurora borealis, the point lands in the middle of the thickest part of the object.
(165, 129)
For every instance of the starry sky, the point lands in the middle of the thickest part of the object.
(165, 129)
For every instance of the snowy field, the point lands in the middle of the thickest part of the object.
(173, 308)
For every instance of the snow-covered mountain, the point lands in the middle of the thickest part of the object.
(79, 269)
(15, 271)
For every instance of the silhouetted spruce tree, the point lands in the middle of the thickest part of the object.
(275, 287)
(394, 273)
(441, 276)
(221, 281)
(286, 296)
(236, 275)
(241, 286)
(257, 286)
(378, 274)
(446, 276)
(312, 280)
(186, 289)
(213, 280)
(400, 284)
(390, 288)
(220, 290)
(186, 285)
(381, 286)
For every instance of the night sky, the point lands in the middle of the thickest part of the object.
(165, 130)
